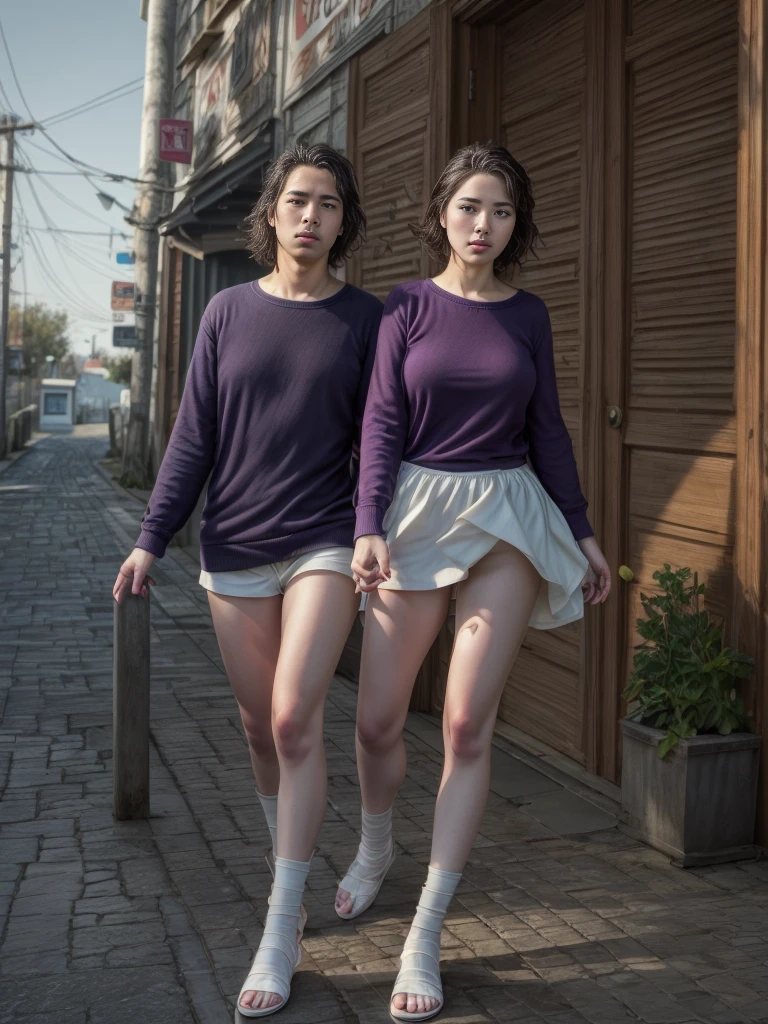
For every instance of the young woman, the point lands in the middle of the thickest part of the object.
(271, 410)
(468, 477)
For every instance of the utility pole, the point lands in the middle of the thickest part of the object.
(151, 203)
(9, 122)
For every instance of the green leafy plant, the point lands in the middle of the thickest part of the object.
(684, 678)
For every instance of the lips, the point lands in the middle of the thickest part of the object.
(307, 236)
(480, 246)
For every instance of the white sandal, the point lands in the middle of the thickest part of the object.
(368, 870)
(419, 972)
(279, 952)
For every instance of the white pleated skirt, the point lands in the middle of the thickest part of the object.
(441, 524)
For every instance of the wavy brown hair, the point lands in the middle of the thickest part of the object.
(262, 239)
(481, 158)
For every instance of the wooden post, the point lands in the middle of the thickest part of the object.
(130, 712)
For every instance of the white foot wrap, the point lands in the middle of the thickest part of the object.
(279, 952)
(269, 806)
(374, 859)
(420, 960)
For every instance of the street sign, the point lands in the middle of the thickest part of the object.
(175, 140)
(126, 257)
(124, 337)
(122, 295)
(118, 318)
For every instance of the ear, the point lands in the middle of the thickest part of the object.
(271, 218)
(442, 221)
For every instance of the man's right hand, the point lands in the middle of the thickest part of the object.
(370, 564)
(132, 577)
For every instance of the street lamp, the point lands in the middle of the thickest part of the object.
(52, 368)
(108, 201)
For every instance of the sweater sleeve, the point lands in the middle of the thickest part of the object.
(190, 454)
(550, 447)
(385, 423)
(362, 391)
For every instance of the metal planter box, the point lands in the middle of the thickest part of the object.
(698, 804)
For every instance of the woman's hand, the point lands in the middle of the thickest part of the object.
(132, 575)
(596, 585)
(370, 563)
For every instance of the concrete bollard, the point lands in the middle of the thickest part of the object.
(130, 712)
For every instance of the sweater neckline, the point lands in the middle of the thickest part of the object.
(296, 304)
(475, 303)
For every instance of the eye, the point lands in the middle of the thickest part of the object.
(294, 200)
(330, 206)
(503, 213)
(466, 208)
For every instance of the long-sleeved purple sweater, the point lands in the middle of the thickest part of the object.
(271, 410)
(464, 386)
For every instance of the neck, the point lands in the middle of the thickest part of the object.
(299, 281)
(466, 279)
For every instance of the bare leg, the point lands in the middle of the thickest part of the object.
(493, 609)
(318, 611)
(248, 632)
(400, 628)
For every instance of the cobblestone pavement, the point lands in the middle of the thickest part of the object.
(560, 919)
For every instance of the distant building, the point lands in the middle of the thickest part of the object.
(94, 394)
(57, 403)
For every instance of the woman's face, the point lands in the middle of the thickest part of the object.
(479, 219)
(308, 215)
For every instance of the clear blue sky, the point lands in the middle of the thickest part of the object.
(66, 53)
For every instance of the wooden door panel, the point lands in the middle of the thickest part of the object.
(681, 195)
(542, 70)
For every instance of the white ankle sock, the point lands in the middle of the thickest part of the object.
(269, 806)
(420, 971)
(277, 956)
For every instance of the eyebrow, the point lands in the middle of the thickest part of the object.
(469, 199)
(298, 192)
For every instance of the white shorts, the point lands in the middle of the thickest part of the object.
(271, 580)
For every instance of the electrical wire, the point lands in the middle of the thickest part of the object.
(73, 160)
(95, 101)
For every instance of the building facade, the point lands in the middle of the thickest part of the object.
(642, 124)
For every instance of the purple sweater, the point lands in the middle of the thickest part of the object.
(271, 411)
(464, 386)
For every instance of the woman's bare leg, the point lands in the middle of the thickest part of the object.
(318, 610)
(493, 608)
(400, 628)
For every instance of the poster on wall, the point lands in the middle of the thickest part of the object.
(318, 29)
(211, 97)
(233, 84)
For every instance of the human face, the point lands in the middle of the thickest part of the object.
(479, 219)
(308, 215)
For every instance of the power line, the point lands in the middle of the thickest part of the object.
(73, 160)
(95, 106)
(97, 100)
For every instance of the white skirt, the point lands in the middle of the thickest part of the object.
(440, 524)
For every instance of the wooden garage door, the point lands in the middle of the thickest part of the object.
(389, 146)
(542, 74)
(679, 439)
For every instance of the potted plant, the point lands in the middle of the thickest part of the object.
(689, 767)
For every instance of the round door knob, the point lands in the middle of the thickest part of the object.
(615, 416)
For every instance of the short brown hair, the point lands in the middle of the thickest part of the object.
(481, 158)
(261, 238)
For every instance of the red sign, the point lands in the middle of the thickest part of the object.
(175, 140)
(122, 295)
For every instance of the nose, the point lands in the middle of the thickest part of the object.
(311, 214)
(482, 226)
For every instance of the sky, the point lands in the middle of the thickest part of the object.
(65, 54)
